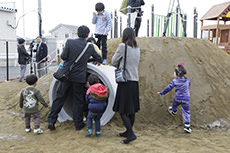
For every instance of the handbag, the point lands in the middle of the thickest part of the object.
(120, 72)
(63, 73)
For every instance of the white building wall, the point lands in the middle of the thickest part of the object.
(8, 34)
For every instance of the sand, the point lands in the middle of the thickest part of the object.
(208, 71)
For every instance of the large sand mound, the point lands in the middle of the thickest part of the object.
(208, 71)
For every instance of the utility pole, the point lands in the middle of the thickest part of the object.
(23, 8)
(40, 18)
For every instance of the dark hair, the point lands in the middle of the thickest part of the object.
(99, 7)
(91, 39)
(83, 31)
(129, 37)
(92, 79)
(180, 71)
(31, 79)
(21, 40)
(38, 37)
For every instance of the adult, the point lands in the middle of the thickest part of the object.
(23, 58)
(41, 57)
(77, 79)
(136, 14)
(127, 96)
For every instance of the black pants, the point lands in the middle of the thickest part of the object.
(128, 121)
(137, 25)
(63, 89)
(102, 41)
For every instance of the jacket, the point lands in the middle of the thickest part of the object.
(181, 88)
(72, 50)
(96, 97)
(135, 3)
(23, 56)
(41, 51)
(29, 99)
(132, 61)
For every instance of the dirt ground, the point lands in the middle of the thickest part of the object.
(157, 132)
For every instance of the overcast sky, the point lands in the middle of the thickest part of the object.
(79, 12)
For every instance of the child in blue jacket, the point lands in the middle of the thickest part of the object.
(96, 97)
(181, 84)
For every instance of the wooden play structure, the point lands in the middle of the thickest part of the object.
(218, 33)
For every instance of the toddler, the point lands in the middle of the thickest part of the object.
(29, 98)
(181, 84)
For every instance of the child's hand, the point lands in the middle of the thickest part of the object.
(158, 93)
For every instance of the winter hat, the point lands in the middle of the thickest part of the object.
(98, 89)
(181, 63)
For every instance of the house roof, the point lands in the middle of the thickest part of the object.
(70, 27)
(7, 9)
(219, 10)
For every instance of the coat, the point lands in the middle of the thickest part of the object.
(72, 50)
(23, 56)
(41, 51)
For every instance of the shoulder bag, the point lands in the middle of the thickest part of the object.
(63, 73)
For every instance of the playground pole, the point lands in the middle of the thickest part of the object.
(177, 10)
(120, 26)
(185, 25)
(115, 24)
(148, 28)
(195, 23)
(112, 26)
(152, 28)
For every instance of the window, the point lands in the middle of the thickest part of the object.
(66, 35)
(56, 35)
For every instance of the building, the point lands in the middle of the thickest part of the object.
(62, 32)
(218, 33)
(8, 35)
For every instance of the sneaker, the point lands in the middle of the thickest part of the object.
(104, 61)
(98, 134)
(171, 111)
(89, 133)
(38, 131)
(187, 128)
(28, 130)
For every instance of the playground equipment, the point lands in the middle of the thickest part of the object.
(107, 77)
(176, 22)
(171, 5)
(219, 34)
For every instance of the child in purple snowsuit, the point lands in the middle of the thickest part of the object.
(181, 84)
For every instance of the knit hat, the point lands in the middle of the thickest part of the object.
(181, 63)
(98, 89)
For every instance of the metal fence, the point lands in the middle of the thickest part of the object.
(9, 67)
(177, 26)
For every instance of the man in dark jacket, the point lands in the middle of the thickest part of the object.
(41, 54)
(23, 57)
(77, 79)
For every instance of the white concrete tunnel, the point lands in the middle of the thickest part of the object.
(107, 76)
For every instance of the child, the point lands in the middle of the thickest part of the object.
(181, 84)
(103, 25)
(91, 40)
(29, 98)
(96, 97)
